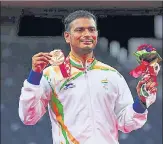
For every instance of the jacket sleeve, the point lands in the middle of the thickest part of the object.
(130, 115)
(34, 99)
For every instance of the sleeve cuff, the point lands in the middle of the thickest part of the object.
(34, 77)
(138, 106)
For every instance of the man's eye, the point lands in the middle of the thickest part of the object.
(79, 30)
(92, 29)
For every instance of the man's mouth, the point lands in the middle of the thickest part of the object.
(87, 41)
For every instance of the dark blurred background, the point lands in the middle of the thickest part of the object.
(31, 27)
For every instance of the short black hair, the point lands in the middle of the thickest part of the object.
(78, 14)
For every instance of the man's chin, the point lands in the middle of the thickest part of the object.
(86, 50)
(87, 47)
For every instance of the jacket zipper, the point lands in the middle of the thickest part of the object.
(90, 100)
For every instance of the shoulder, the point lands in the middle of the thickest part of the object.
(102, 66)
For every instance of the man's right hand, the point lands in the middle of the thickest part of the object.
(40, 61)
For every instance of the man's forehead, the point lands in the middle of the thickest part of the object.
(83, 22)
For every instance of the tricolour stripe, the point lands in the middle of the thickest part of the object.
(72, 78)
(57, 108)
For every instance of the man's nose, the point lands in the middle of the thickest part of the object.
(86, 33)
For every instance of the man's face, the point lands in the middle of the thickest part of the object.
(82, 36)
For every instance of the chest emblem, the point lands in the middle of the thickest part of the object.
(69, 85)
(105, 83)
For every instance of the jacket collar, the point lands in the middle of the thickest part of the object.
(76, 62)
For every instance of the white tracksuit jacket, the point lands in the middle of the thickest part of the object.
(88, 108)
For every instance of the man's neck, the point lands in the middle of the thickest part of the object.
(83, 58)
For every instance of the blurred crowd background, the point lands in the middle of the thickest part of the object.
(31, 27)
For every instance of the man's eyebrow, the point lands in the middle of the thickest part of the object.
(79, 27)
(92, 27)
(85, 27)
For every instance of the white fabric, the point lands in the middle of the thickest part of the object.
(94, 110)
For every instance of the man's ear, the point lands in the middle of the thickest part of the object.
(67, 37)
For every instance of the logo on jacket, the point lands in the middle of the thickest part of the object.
(104, 81)
(69, 85)
(105, 84)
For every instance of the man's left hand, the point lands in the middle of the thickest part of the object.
(147, 89)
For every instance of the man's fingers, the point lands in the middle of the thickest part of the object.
(144, 80)
(48, 57)
(150, 85)
(44, 59)
(39, 54)
(42, 54)
(40, 63)
(153, 91)
(147, 80)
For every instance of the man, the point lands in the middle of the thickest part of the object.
(91, 104)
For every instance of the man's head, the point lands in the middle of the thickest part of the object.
(81, 31)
